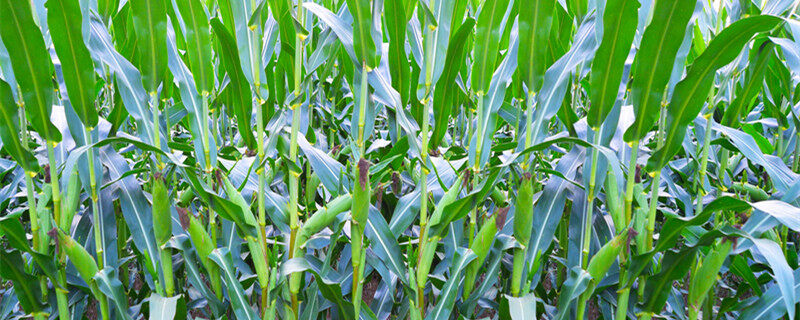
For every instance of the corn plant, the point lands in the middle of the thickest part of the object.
(399, 159)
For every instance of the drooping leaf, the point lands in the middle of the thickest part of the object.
(9, 130)
(535, 22)
(692, 91)
(487, 44)
(198, 41)
(150, 25)
(660, 43)
(609, 60)
(33, 69)
(446, 93)
(365, 49)
(64, 19)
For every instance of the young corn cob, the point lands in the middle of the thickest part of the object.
(162, 227)
(246, 221)
(599, 265)
(706, 276)
(203, 244)
(523, 217)
(481, 246)
(84, 263)
(359, 212)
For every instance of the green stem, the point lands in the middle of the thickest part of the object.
(699, 190)
(516, 276)
(476, 168)
(96, 215)
(796, 160)
(651, 214)
(623, 293)
(587, 219)
(166, 267)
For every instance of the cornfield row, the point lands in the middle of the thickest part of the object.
(399, 159)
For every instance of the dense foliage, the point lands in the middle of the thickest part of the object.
(399, 159)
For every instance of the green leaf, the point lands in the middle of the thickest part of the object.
(518, 308)
(535, 21)
(162, 308)
(363, 43)
(487, 44)
(449, 293)
(609, 60)
(755, 78)
(660, 43)
(198, 42)
(674, 266)
(238, 298)
(446, 90)
(150, 25)
(111, 287)
(572, 288)
(25, 284)
(399, 67)
(64, 21)
(690, 94)
(9, 130)
(240, 94)
(31, 63)
(674, 225)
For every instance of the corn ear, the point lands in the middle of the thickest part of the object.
(324, 217)
(706, 275)
(83, 261)
(523, 223)
(448, 198)
(481, 246)
(361, 194)
(162, 221)
(523, 210)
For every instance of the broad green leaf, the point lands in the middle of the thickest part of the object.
(13, 230)
(25, 285)
(162, 308)
(64, 19)
(660, 43)
(755, 78)
(31, 63)
(111, 287)
(366, 52)
(770, 305)
(691, 93)
(128, 79)
(330, 172)
(205, 145)
(619, 27)
(150, 25)
(444, 99)
(447, 297)
(518, 308)
(535, 21)
(674, 266)
(237, 296)
(487, 44)
(572, 288)
(240, 93)
(384, 245)
(398, 60)
(9, 130)
(198, 42)
(774, 256)
(674, 225)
